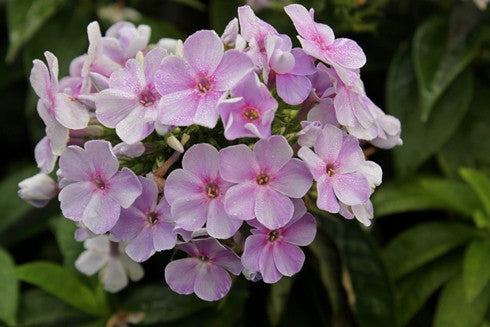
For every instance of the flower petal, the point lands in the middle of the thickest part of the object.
(203, 51)
(141, 248)
(268, 269)
(352, 188)
(288, 258)
(301, 232)
(240, 200)
(237, 164)
(212, 282)
(293, 179)
(125, 187)
(74, 198)
(272, 209)
(272, 153)
(326, 199)
(254, 246)
(181, 274)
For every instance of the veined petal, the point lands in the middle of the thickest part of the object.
(103, 159)
(74, 198)
(293, 89)
(232, 68)
(141, 248)
(313, 161)
(272, 153)
(268, 269)
(240, 200)
(220, 224)
(329, 143)
(288, 258)
(181, 183)
(75, 164)
(302, 20)
(352, 188)
(178, 108)
(272, 209)
(181, 274)
(254, 246)
(40, 80)
(212, 282)
(173, 76)
(114, 105)
(101, 213)
(293, 179)
(302, 232)
(164, 237)
(351, 158)
(69, 112)
(129, 224)
(207, 110)
(190, 212)
(135, 127)
(326, 199)
(203, 51)
(237, 164)
(125, 187)
(346, 53)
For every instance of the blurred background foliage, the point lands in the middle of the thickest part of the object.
(424, 262)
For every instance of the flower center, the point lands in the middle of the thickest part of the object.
(203, 85)
(203, 258)
(273, 235)
(99, 183)
(262, 179)
(148, 97)
(330, 170)
(212, 190)
(251, 113)
(152, 218)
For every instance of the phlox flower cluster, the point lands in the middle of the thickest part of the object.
(207, 146)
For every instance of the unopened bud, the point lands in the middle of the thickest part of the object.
(175, 144)
(38, 190)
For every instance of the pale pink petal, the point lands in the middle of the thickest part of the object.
(164, 237)
(178, 108)
(114, 105)
(74, 198)
(130, 223)
(272, 153)
(288, 258)
(268, 269)
(75, 164)
(141, 247)
(40, 79)
(326, 199)
(343, 107)
(304, 64)
(190, 212)
(125, 187)
(232, 68)
(351, 188)
(203, 51)
(272, 209)
(174, 75)
(181, 183)
(240, 200)
(313, 161)
(207, 110)
(212, 282)
(346, 53)
(237, 163)
(302, 232)
(101, 213)
(302, 20)
(181, 274)
(103, 159)
(329, 143)
(44, 156)
(293, 179)
(219, 223)
(89, 262)
(254, 245)
(131, 79)
(293, 89)
(135, 127)
(351, 157)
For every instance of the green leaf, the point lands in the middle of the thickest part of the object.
(422, 139)
(221, 12)
(465, 148)
(480, 184)
(416, 288)
(195, 4)
(160, 304)
(454, 311)
(9, 289)
(476, 268)
(63, 284)
(438, 60)
(39, 308)
(365, 278)
(64, 231)
(481, 220)
(423, 243)
(278, 299)
(24, 18)
(424, 193)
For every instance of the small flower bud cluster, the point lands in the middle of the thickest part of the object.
(207, 145)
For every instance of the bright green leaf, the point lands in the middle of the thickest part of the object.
(423, 243)
(278, 298)
(422, 139)
(424, 193)
(480, 183)
(63, 284)
(9, 289)
(416, 288)
(454, 311)
(438, 60)
(476, 268)
(24, 18)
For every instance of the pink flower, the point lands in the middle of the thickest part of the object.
(204, 272)
(266, 178)
(94, 190)
(318, 40)
(276, 253)
(192, 86)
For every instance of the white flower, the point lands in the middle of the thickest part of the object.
(38, 190)
(111, 261)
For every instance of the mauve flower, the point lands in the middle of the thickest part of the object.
(205, 271)
(275, 252)
(192, 86)
(337, 165)
(95, 190)
(249, 113)
(318, 40)
(130, 102)
(266, 178)
(147, 224)
(196, 193)
(109, 259)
